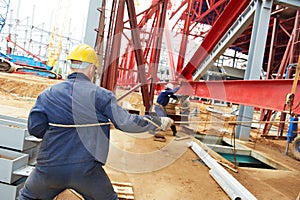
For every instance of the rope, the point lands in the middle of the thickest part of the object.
(150, 121)
(175, 122)
(96, 124)
(233, 122)
(79, 125)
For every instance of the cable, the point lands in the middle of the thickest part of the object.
(79, 125)
(150, 121)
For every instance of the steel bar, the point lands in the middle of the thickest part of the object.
(184, 39)
(105, 75)
(156, 47)
(113, 64)
(229, 184)
(138, 53)
(130, 91)
(268, 94)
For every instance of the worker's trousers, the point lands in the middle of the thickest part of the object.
(88, 179)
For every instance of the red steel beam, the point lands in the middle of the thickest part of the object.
(156, 46)
(223, 23)
(184, 39)
(138, 53)
(105, 75)
(111, 71)
(268, 94)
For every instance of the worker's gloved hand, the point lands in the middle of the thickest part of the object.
(166, 122)
(180, 83)
(160, 122)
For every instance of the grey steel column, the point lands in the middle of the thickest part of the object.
(255, 60)
(92, 22)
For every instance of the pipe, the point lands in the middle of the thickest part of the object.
(229, 184)
(225, 186)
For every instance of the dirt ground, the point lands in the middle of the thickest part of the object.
(167, 170)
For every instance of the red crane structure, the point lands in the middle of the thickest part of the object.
(204, 29)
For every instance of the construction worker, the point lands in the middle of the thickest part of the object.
(73, 119)
(163, 100)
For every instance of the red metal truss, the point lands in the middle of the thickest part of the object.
(198, 12)
(269, 94)
(134, 67)
(223, 23)
(138, 65)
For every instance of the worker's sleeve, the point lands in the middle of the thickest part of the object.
(175, 89)
(171, 93)
(37, 123)
(127, 122)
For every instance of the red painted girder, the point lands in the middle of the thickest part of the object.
(140, 61)
(227, 18)
(268, 94)
(184, 39)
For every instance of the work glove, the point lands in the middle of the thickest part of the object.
(180, 83)
(162, 123)
(166, 122)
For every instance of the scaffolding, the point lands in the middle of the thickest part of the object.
(35, 39)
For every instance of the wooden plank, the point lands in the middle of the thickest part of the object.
(121, 183)
(123, 190)
(125, 197)
(182, 138)
(69, 194)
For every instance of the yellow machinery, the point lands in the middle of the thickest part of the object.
(56, 38)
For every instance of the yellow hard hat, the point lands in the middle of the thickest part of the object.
(84, 53)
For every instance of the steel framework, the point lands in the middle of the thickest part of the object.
(136, 63)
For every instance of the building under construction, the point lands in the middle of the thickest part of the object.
(238, 61)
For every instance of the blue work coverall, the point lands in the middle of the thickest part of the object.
(163, 100)
(73, 157)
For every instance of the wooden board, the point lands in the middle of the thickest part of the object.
(123, 189)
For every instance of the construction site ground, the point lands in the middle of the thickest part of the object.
(158, 177)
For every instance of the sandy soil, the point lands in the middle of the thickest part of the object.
(167, 170)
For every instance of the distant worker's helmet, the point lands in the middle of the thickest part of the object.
(84, 53)
(170, 86)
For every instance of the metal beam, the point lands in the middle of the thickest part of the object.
(138, 53)
(156, 46)
(255, 59)
(223, 23)
(184, 39)
(289, 3)
(269, 94)
(231, 35)
(92, 22)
